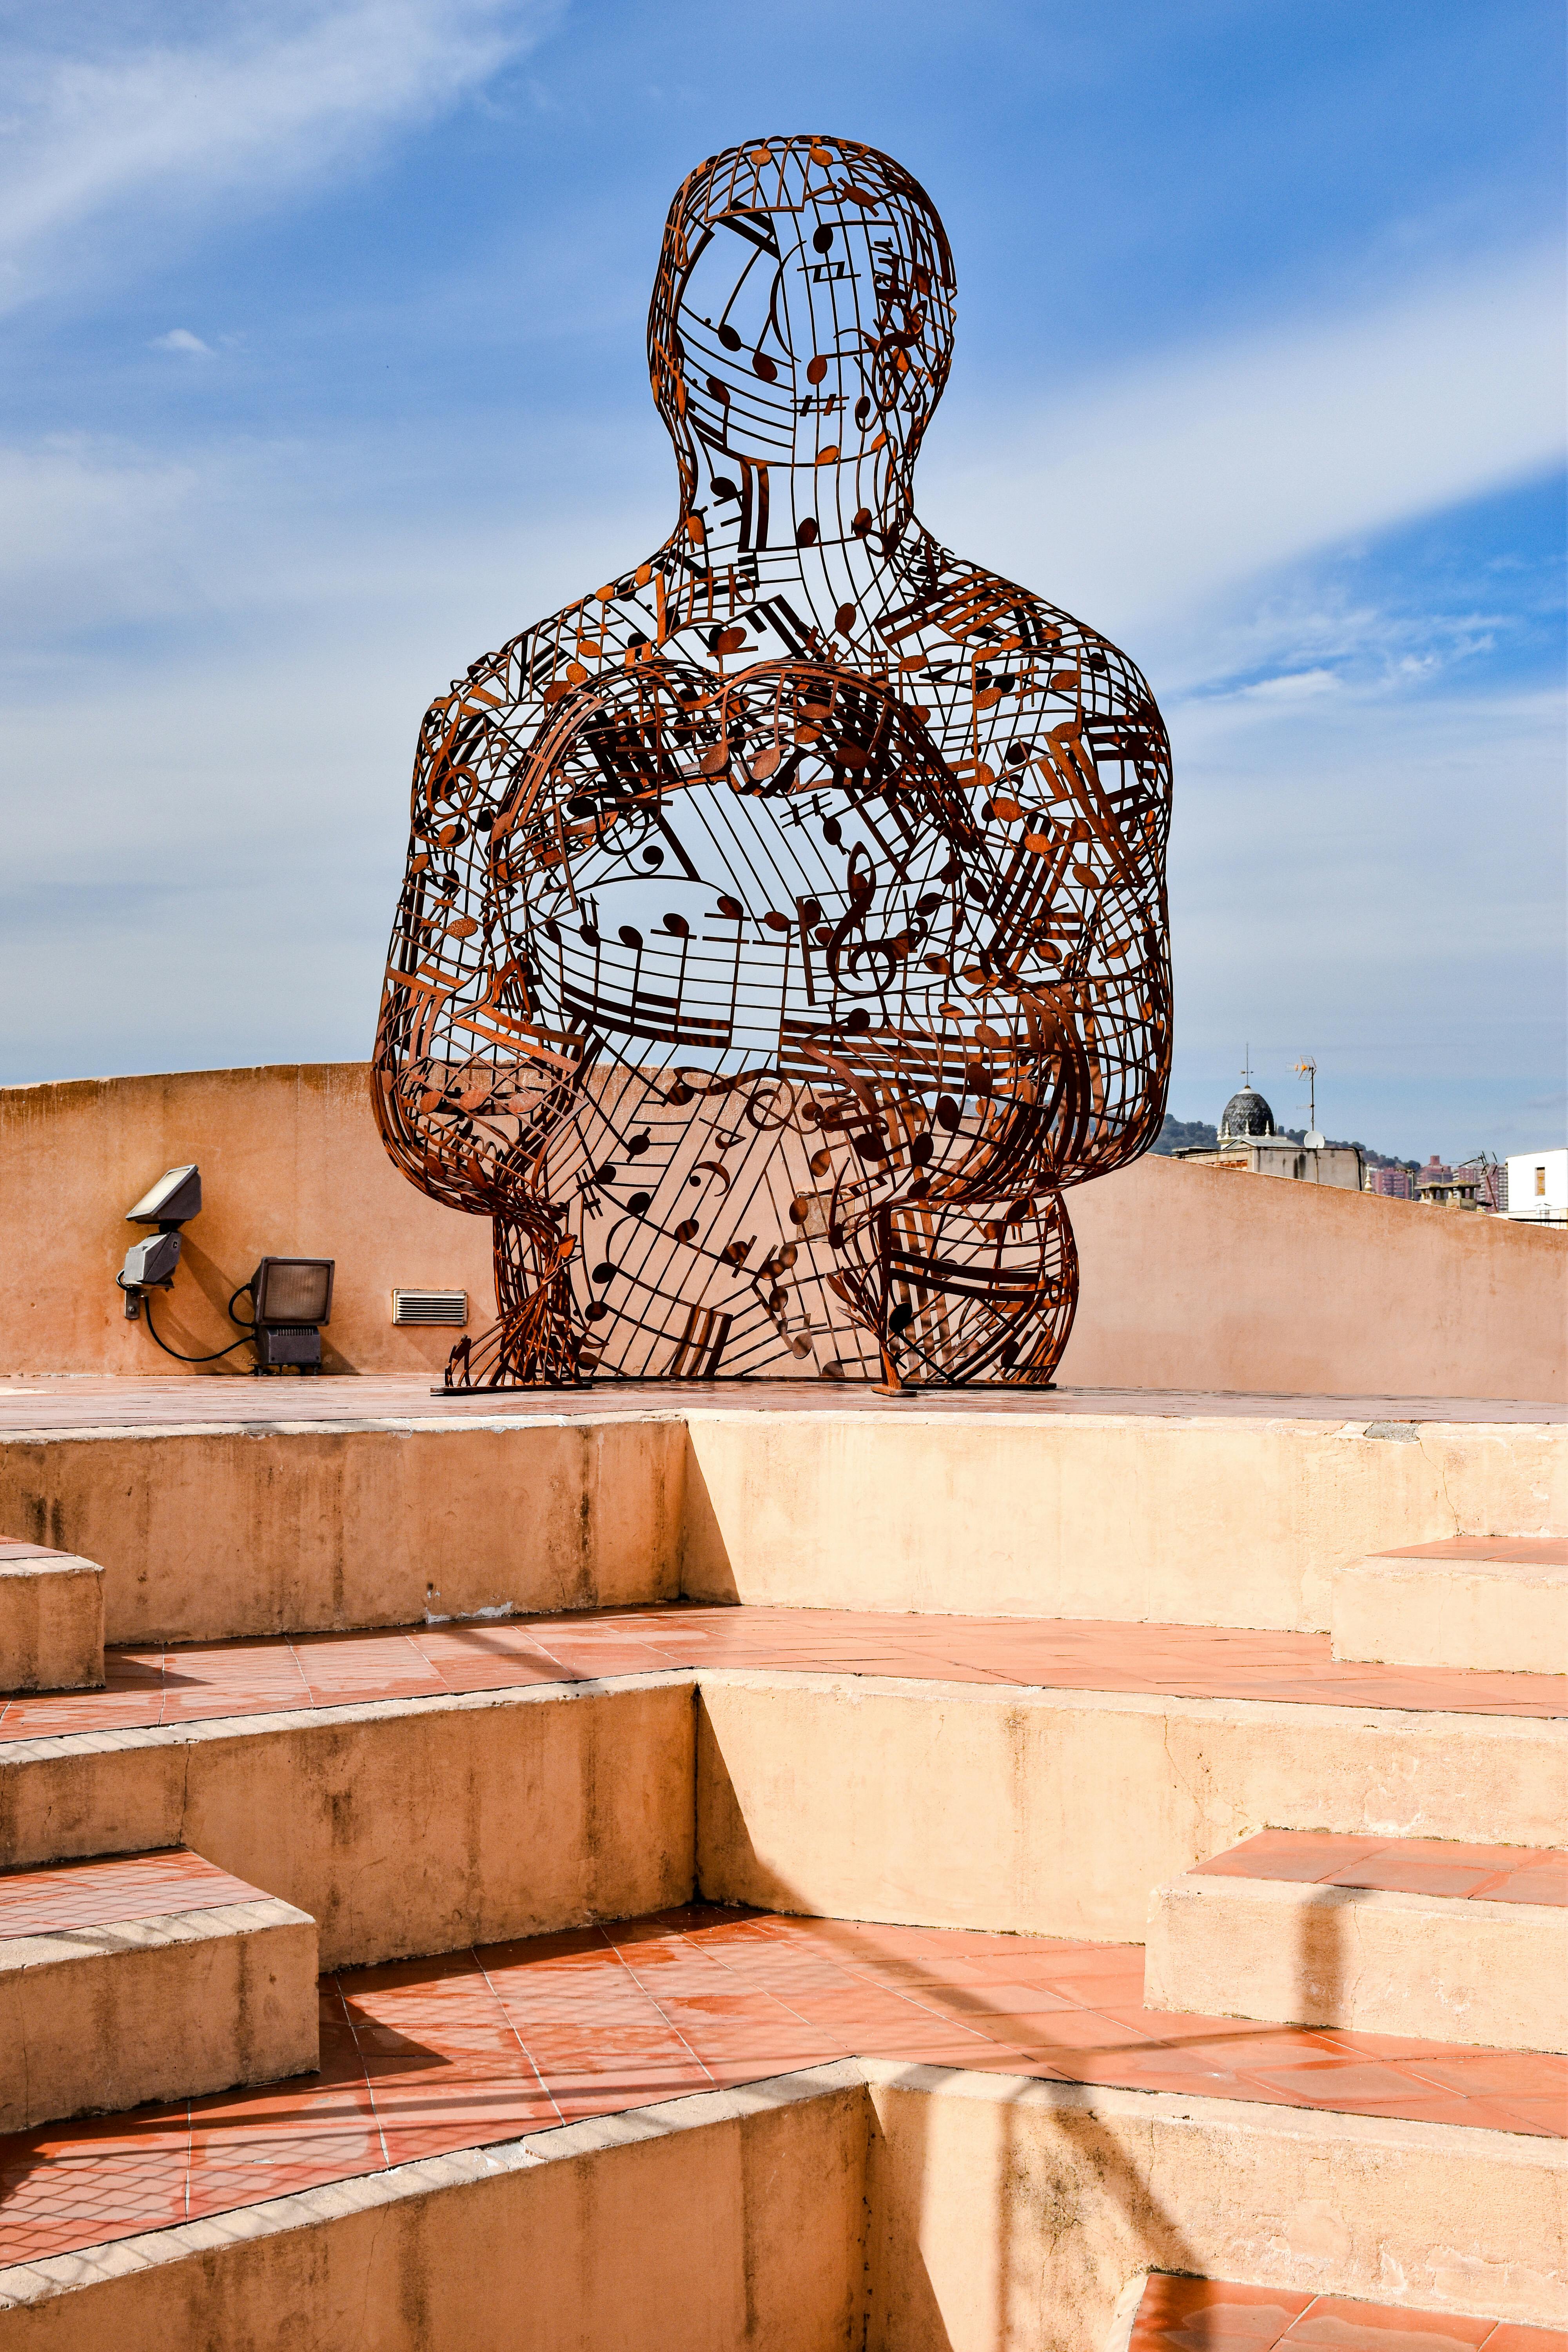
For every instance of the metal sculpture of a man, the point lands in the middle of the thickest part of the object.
(783, 930)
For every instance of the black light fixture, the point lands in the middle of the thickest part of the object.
(149, 1264)
(291, 1299)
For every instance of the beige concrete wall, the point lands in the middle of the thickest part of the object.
(1199, 1278)
(218, 1532)
(99, 2018)
(1205, 1520)
(887, 2209)
(1055, 1812)
(1008, 2214)
(408, 1826)
(716, 2222)
(1192, 1278)
(1428, 1966)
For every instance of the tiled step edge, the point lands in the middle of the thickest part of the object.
(51, 1620)
(1360, 1959)
(1164, 2310)
(99, 2018)
(669, 2223)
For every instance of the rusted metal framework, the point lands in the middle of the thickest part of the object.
(784, 930)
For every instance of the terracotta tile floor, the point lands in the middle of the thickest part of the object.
(423, 2056)
(1192, 2314)
(117, 1886)
(1495, 1873)
(1508, 1552)
(42, 1400)
(247, 1678)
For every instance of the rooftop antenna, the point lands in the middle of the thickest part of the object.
(1246, 1066)
(1307, 1068)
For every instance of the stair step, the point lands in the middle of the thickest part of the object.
(1192, 2314)
(146, 1976)
(1424, 1937)
(1495, 1603)
(423, 2059)
(51, 1620)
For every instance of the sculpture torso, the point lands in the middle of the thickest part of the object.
(784, 922)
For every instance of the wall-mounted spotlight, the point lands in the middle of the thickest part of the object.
(290, 1297)
(149, 1264)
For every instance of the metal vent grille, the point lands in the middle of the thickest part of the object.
(430, 1306)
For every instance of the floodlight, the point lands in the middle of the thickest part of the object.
(171, 1203)
(289, 1297)
(293, 1290)
(148, 1262)
(173, 1200)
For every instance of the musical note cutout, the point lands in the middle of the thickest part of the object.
(783, 928)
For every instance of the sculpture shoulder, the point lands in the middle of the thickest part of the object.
(505, 696)
(948, 606)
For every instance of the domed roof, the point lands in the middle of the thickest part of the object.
(1246, 1114)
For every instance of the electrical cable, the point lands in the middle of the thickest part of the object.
(175, 1352)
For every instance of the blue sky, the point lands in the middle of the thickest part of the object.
(322, 373)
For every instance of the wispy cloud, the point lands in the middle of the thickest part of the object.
(180, 339)
(1142, 500)
(254, 99)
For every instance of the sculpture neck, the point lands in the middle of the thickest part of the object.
(810, 552)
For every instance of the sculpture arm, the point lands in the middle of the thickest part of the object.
(1057, 741)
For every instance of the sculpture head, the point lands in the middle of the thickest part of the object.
(800, 331)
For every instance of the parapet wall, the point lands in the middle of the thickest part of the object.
(1193, 1278)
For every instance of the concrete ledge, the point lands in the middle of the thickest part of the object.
(1010, 2212)
(735, 2217)
(51, 1620)
(209, 1533)
(1189, 1519)
(414, 1826)
(1058, 1813)
(905, 2209)
(1422, 1965)
(1491, 1605)
(403, 1826)
(95, 2019)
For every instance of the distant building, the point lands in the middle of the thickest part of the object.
(1474, 1185)
(1394, 1183)
(1537, 1192)
(1249, 1142)
(1435, 1184)
(1486, 1183)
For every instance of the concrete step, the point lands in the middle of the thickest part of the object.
(147, 1975)
(51, 1620)
(995, 1774)
(1426, 1937)
(1165, 2313)
(854, 2203)
(1493, 1602)
(1034, 1506)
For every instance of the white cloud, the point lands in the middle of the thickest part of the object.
(1140, 502)
(258, 99)
(180, 339)
(1294, 686)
